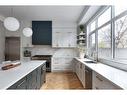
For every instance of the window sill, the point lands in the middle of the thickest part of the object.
(119, 64)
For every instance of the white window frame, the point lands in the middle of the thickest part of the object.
(112, 22)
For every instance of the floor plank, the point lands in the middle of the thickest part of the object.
(62, 80)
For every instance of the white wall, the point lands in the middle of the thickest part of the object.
(2, 42)
(56, 52)
(44, 49)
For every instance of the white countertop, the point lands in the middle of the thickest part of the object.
(114, 75)
(11, 76)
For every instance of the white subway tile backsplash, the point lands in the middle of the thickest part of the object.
(59, 52)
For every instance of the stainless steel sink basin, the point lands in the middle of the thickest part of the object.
(89, 61)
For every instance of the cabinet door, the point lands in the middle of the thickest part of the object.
(64, 37)
(39, 77)
(74, 65)
(72, 39)
(56, 37)
(43, 75)
(32, 80)
(29, 81)
(83, 76)
(78, 70)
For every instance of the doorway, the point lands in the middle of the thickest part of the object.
(12, 48)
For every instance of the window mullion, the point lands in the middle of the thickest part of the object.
(96, 38)
(112, 32)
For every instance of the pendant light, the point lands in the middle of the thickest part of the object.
(11, 23)
(27, 32)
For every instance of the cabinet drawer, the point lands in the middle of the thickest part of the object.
(21, 84)
(99, 82)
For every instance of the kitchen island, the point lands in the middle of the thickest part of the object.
(29, 75)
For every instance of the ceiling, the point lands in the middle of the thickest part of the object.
(54, 13)
(90, 12)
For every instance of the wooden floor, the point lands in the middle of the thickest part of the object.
(62, 80)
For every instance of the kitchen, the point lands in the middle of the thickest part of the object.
(63, 47)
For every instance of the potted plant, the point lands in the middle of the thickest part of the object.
(81, 28)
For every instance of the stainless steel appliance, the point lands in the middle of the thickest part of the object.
(12, 48)
(44, 57)
(88, 78)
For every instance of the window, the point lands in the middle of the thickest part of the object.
(104, 42)
(93, 26)
(110, 35)
(104, 34)
(107, 28)
(121, 38)
(105, 17)
(92, 46)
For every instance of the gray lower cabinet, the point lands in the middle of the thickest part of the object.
(33, 80)
(43, 74)
(38, 81)
(21, 84)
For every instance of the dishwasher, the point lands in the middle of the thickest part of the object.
(88, 78)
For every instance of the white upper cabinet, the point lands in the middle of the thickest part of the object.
(64, 37)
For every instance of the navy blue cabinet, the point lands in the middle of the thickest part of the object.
(33, 80)
(42, 32)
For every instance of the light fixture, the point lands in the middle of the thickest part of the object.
(11, 23)
(27, 32)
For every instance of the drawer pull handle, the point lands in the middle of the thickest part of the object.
(21, 83)
(99, 78)
(86, 71)
(96, 88)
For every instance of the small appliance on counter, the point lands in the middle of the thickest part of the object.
(27, 53)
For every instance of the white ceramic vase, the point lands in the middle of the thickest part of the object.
(81, 55)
